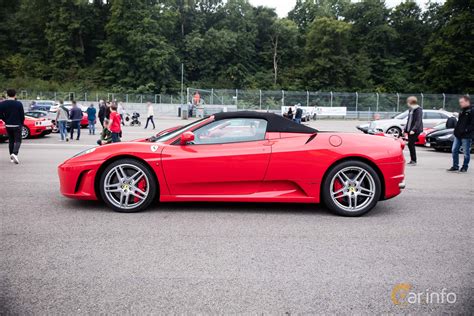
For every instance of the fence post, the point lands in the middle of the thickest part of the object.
(331, 98)
(282, 97)
(307, 98)
(141, 98)
(260, 97)
(398, 102)
(85, 96)
(187, 95)
(357, 104)
(97, 97)
(55, 99)
(237, 98)
(444, 101)
(377, 107)
(212, 96)
(422, 100)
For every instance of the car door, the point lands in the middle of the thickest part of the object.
(431, 118)
(227, 157)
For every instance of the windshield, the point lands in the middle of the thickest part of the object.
(402, 116)
(173, 134)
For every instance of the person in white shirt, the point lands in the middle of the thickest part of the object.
(121, 112)
(150, 115)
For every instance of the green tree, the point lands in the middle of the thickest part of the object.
(136, 54)
(449, 53)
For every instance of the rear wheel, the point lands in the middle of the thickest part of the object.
(128, 186)
(351, 188)
(25, 132)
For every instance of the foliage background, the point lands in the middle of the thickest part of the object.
(137, 46)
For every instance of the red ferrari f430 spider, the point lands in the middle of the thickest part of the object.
(242, 157)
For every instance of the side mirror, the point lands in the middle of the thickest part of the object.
(186, 137)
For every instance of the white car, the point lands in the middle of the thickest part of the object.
(396, 125)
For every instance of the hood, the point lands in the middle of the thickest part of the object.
(443, 132)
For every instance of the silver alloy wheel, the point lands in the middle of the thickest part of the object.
(25, 132)
(121, 186)
(395, 131)
(356, 189)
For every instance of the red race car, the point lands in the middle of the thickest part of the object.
(242, 157)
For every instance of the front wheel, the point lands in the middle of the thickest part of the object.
(351, 188)
(128, 186)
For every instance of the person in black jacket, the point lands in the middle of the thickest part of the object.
(463, 134)
(12, 113)
(75, 115)
(101, 114)
(414, 126)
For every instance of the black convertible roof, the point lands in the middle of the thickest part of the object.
(276, 123)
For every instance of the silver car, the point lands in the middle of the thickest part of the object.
(396, 125)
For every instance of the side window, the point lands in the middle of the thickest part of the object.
(231, 131)
(432, 116)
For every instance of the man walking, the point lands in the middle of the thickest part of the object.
(75, 115)
(12, 113)
(114, 125)
(414, 126)
(150, 115)
(61, 120)
(463, 134)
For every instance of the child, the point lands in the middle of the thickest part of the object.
(114, 125)
(106, 135)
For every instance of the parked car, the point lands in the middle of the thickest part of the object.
(3, 131)
(422, 137)
(396, 125)
(442, 140)
(41, 105)
(36, 127)
(240, 157)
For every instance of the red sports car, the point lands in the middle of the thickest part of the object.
(244, 157)
(3, 131)
(34, 127)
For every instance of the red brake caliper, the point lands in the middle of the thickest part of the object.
(142, 186)
(337, 186)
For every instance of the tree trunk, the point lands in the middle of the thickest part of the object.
(275, 60)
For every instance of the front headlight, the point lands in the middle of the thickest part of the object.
(85, 152)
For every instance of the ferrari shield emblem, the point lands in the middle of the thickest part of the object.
(154, 148)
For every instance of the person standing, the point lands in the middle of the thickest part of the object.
(101, 115)
(62, 117)
(414, 127)
(75, 115)
(463, 134)
(91, 117)
(107, 110)
(121, 112)
(13, 114)
(298, 114)
(115, 126)
(197, 98)
(150, 116)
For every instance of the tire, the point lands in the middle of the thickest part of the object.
(122, 195)
(354, 194)
(25, 132)
(395, 131)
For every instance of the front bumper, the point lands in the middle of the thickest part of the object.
(77, 180)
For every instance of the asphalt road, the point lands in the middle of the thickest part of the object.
(60, 256)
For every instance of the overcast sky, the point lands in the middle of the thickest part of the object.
(284, 6)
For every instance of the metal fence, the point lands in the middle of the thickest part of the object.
(266, 100)
(353, 101)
